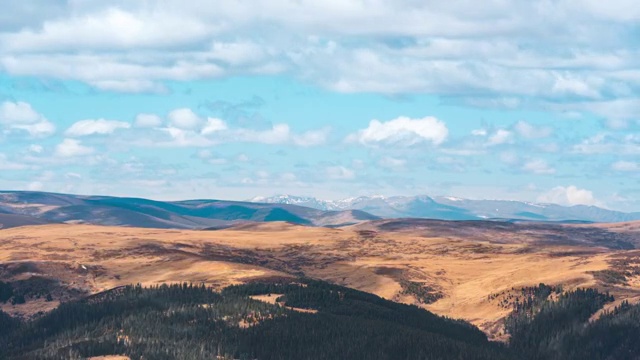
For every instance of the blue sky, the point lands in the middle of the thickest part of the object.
(524, 100)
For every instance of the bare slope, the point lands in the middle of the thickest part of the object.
(452, 272)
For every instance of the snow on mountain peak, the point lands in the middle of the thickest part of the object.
(454, 208)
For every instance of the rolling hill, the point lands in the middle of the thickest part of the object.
(465, 269)
(40, 207)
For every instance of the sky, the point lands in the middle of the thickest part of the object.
(499, 99)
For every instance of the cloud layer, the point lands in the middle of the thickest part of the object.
(567, 55)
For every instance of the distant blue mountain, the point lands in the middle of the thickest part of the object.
(451, 208)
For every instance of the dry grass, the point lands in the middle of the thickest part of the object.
(271, 299)
(464, 269)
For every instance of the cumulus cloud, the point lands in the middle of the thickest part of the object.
(210, 157)
(509, 157)
(242, 157)
(569, 195)
(35, 186)
(213, 125)
(501, 136)
(22, 117)
(39, 129)
(6, 164)
(36, 148)
(391, 162)
(185, 128)
(402, 131)
(311, 137)
(538, 166)
(147, 121)
(278, 134)
(609, 143)
(72, 148)
(177, 137)
(18, 112)
(530, 131)
(628, 166)
(95, 127)
(185, 119)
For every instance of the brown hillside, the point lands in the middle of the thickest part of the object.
(453, 273)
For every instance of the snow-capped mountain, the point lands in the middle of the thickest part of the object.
(453, 208)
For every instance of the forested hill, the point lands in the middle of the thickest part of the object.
(191, 322)
(311, 320)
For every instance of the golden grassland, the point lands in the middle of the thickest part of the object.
(460, 272)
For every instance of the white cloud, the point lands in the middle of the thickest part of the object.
(210, 157)
(504, 51)
(35, 148)
(72, 148)
(110, 28)
(509, 157)
(185, 119)
(391, 162)
(340, 173)
(72, 176)
(186, 128)
(18, 113)
(618, 111)
(570, 195)
(180, 138)
(311, 137)
(147, 121)
(538, 166)
(574, 86)
(21, 116)
(609, 143)
(95, 127)
(37, 130)
(288, 177)
(529, 131)
(6, 164)
(548, 147)
(623, 165)
(213, 125)
(402, 131)
(501, 136)
(358, 164)
(130, 86)
(278, 134)
(35, 186)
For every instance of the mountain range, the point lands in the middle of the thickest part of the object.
(32, 208)
(452, 208)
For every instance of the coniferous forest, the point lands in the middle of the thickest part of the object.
(195, 322)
